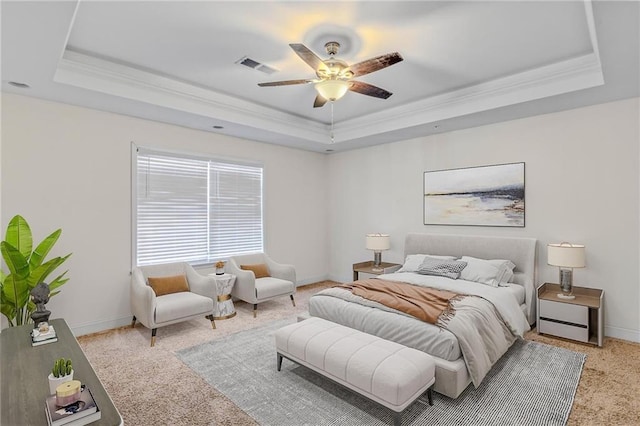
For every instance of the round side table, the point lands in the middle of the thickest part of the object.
(224, 309)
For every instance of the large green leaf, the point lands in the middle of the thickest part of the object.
(15, 292)
(16, 262)
(43, 249)
(41, 273)
(57, 282)
(19, 235)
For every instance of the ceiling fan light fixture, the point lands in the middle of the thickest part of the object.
(332, 90)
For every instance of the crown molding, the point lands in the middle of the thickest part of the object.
(104, 76)
(100, 75)
(562, 77)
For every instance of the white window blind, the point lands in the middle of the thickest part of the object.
(195, 210)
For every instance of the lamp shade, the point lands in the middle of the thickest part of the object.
(378, 242)
(332, 90)
(566, 255)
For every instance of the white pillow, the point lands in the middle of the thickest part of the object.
(413, 261)
(490, 272)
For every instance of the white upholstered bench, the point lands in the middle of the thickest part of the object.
(385, 372)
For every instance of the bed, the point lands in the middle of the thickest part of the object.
(455, 370)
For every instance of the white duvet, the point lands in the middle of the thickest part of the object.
(505, 303)
(484, 327)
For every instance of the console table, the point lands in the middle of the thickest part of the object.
(24, 375)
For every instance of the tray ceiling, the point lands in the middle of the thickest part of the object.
(465, 63)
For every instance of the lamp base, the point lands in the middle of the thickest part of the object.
(565, 296)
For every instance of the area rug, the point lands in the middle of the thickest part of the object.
(532, 383)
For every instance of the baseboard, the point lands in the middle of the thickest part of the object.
(622, 333)
(312, 280)
(98, 326)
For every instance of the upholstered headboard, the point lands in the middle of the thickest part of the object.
(521, 251)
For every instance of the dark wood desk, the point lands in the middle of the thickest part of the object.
(24, 376)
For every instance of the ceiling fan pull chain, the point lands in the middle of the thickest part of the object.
(331, 134)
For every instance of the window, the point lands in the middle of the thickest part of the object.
(195, 210)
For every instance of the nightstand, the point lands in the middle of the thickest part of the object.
(580, 319)
(368, 268)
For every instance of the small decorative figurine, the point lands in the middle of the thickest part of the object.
(40, 296)
(220, 267)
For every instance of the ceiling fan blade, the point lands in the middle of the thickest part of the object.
(284, 83)
(319, 102)
(307, 55)
(375, 64)
(369, 90)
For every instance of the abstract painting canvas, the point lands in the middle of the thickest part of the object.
(480, 196)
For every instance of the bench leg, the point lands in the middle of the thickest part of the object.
(292, 300)
(255, 309)
(279, 365)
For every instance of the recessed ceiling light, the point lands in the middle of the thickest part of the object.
(329, 150)
(19, 85)
(218, 127)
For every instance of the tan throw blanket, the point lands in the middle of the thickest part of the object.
(426, 304)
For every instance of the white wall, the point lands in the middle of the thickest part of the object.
(69, 167)
(582, 186)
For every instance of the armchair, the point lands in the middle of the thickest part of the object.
(157, 311)
(281, 282)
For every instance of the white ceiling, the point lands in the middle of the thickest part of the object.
(465, 63)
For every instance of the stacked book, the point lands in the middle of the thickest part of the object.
(40, 338)
(81, 412)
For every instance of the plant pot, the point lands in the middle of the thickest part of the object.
(54, 382)
(219, 271)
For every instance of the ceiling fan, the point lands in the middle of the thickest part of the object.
(335, 75)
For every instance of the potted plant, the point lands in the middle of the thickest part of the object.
(61, 372)
(27, 267)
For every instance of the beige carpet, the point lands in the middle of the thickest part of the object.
(150, 386)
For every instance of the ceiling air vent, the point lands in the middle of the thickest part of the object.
(248, 62)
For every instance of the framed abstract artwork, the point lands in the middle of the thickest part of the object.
(477, 196)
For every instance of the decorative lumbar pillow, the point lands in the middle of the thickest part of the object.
(492, 272)
(413, 261)
(441, 267)
(260, 270)
(168, 285)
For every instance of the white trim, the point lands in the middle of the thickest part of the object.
(312, 280)
(622, 333)
(134, 204)
(88, 72)
(98, 326)
(100, 75)
(562, 77)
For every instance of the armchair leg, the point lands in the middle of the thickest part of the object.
(133, 322)
(255, 309)
(292, 300)
(153, 336)
(213, 323)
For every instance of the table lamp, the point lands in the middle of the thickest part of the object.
(566, 256)
(377, 243)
